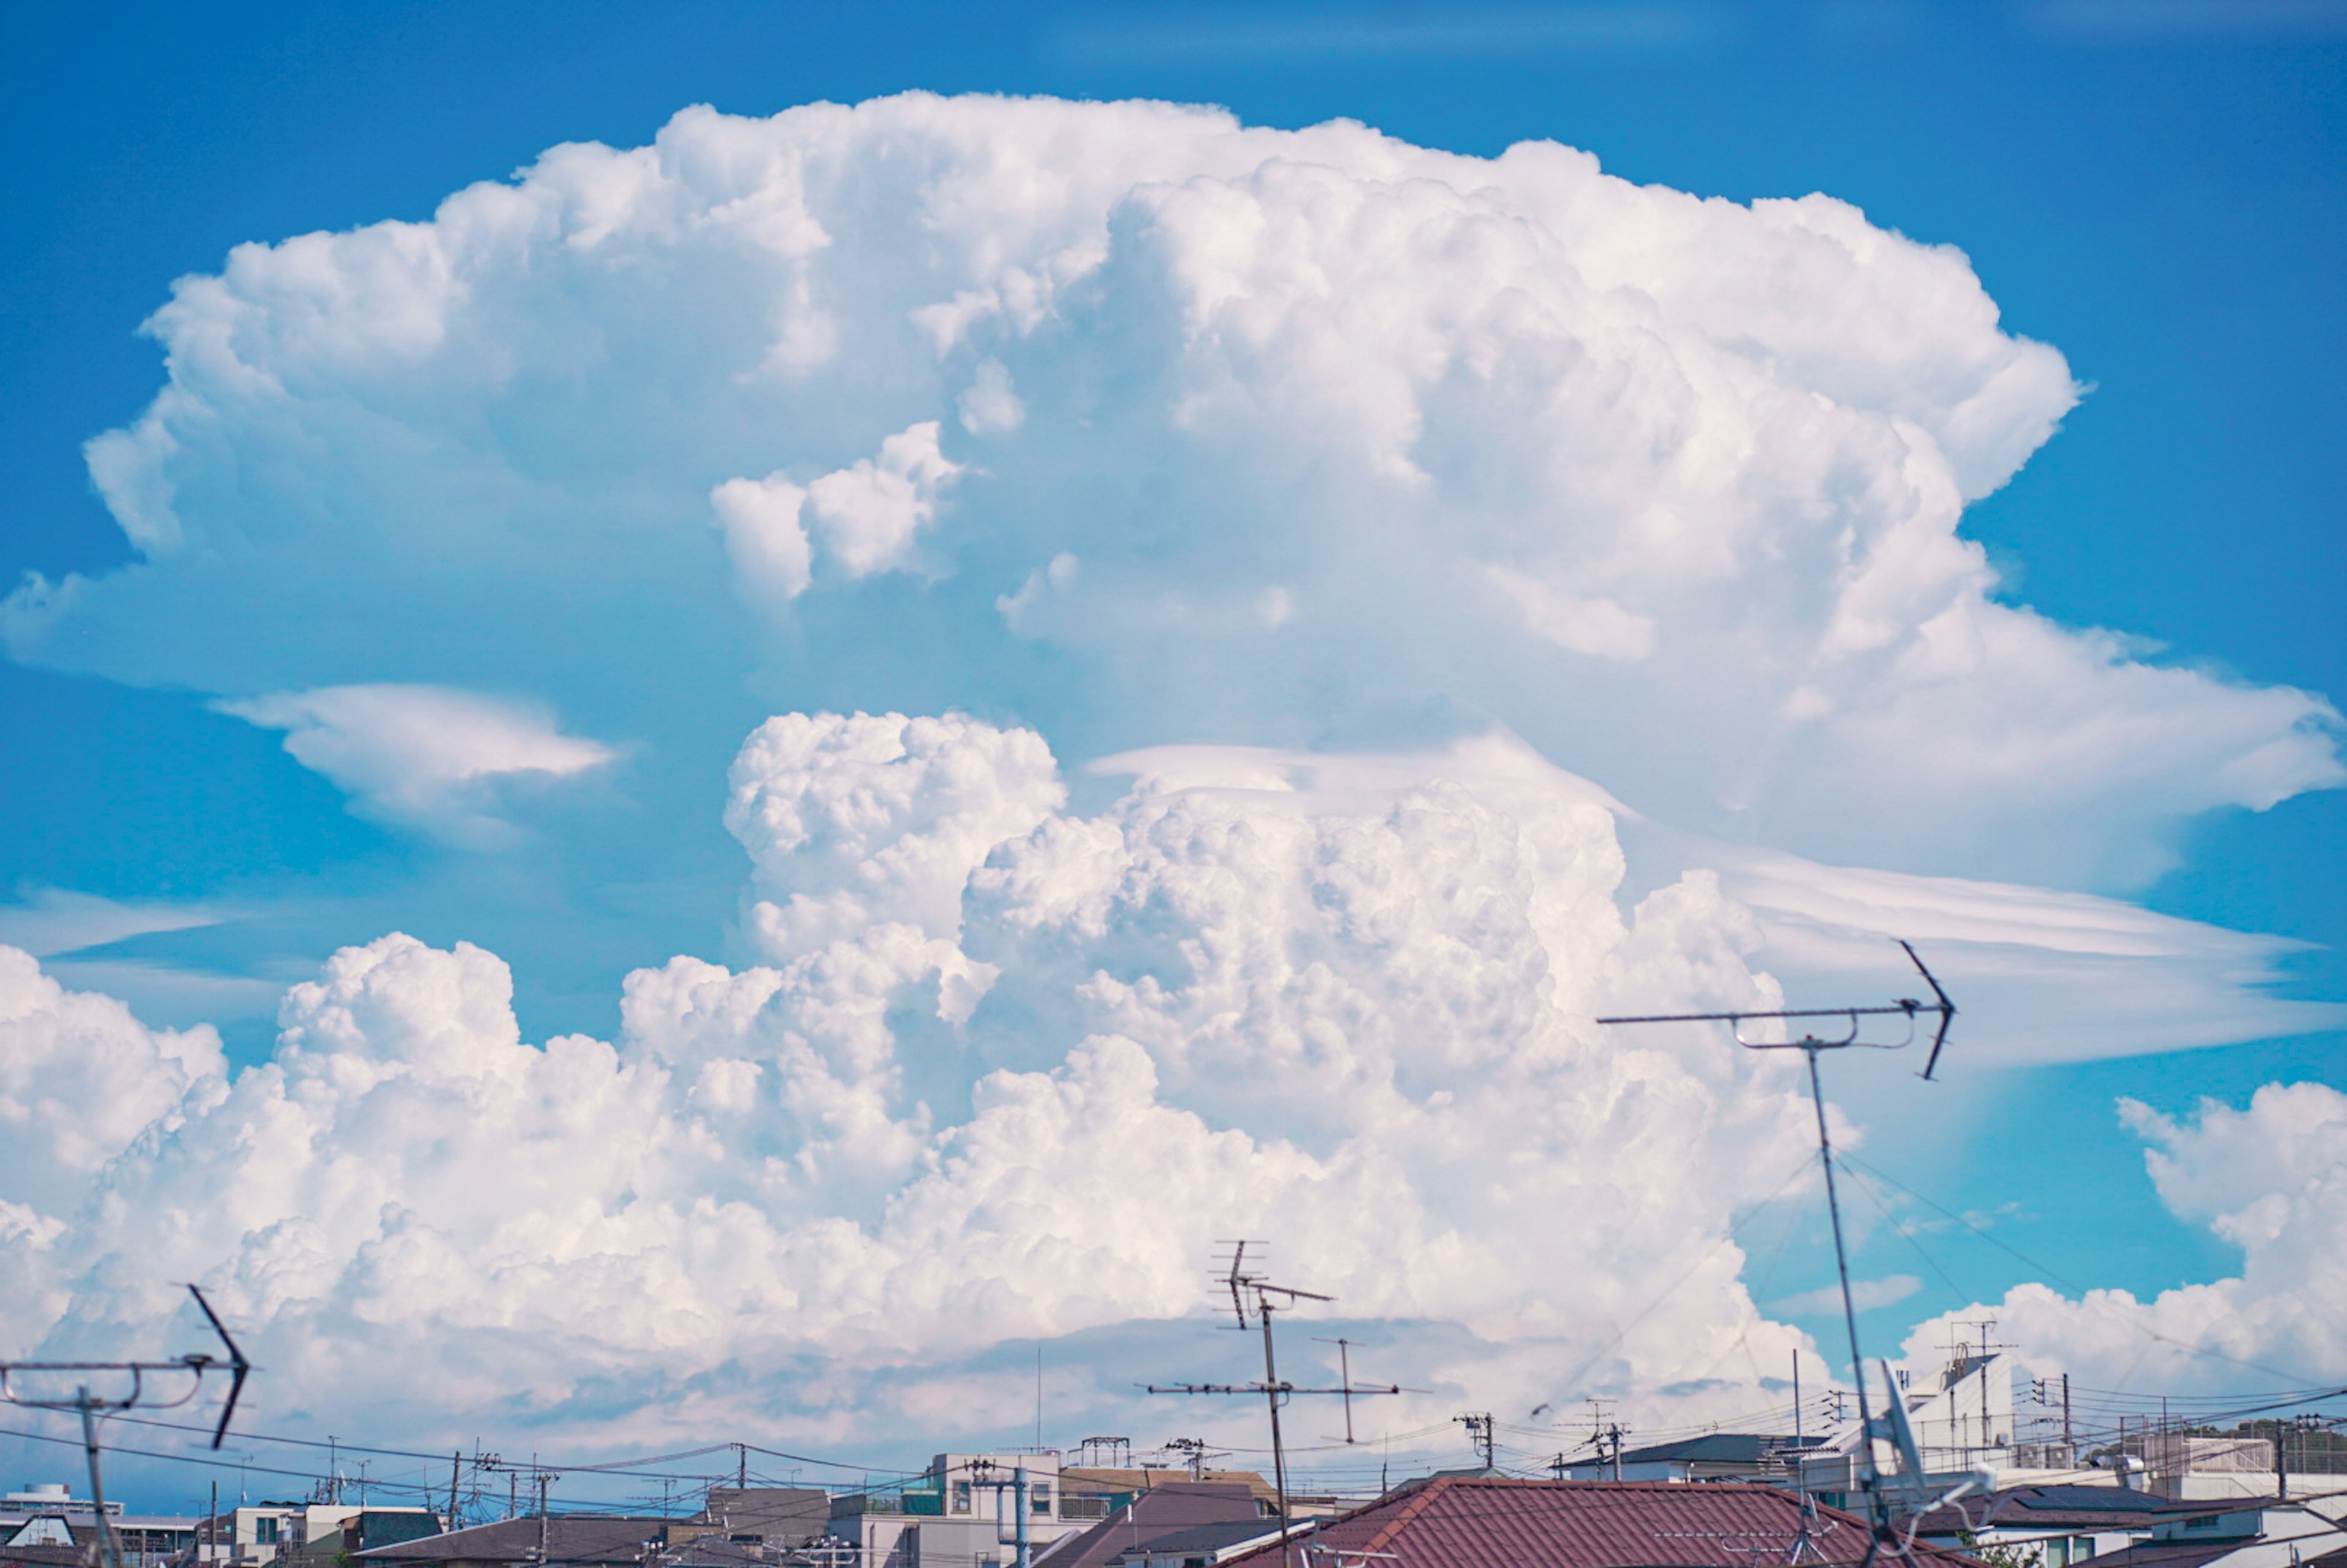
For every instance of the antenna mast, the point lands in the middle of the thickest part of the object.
(1809, 1044)
(92, 1406)
(1252, 1303)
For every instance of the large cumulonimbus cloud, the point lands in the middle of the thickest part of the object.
(1262, 436)
(1153, 430)
(1010, 1073)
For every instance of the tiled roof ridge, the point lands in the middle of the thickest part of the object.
(1408, 1511)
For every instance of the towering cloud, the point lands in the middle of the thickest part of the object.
(1012, 1076)
(1252, 435)
(1078, 429)
(2270, 1179)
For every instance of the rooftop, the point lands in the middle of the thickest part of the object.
(1163, 1511)
(585, 1538)
(1722, 1448)
(1457, 1522)
(2072, 1506)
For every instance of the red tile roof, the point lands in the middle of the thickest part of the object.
(1465, 1523)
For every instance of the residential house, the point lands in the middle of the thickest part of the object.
(358, 1531)
(2067, 1523)
(574, 1541)
(787, 1516)
(966, 1511)
(1962, 1420)
(1715, 1456)
(1146, 1521)
(1116, 1487)
(2277, 1535)
(1451, 1521)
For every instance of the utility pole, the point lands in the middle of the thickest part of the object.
(1271, 1398)
(1810, 1043)
(541, 1477)
(1797, 1442)
(1251, 1300)
(89, 1406)
(212, 1527)
(1019, 1501)
(455, 1463)
(2067, 1440)
(740, 1467)
(109, 1550)
(1601, 1426)
(1479, 1432)
(1020, 1539)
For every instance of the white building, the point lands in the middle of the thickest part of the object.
(965, 1511)
(52, 1497)
(1962, 1421)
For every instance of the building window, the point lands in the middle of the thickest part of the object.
(264, 1531)
(961, 1496)
(1040, 1500)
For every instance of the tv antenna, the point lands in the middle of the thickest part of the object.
(1345, 1378)
(1810, 1045)
(91, 1407)
(1254, 1300)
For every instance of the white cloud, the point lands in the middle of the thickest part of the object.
(1008, 1071)
(1866, 1295)
(2041, 974)
(81, 1079)
(991, 407)
(763, 534)
(1346, 432)
(1350, 1018)
(419, 754)
(52, 920)
(871, 512)
(1252, 436)
(855, 821)
(1597, 627)
(2269, 1178)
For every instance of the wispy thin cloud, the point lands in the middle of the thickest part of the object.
(48, 921)
(1866, 1295)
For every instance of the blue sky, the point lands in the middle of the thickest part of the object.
(2153, 190)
